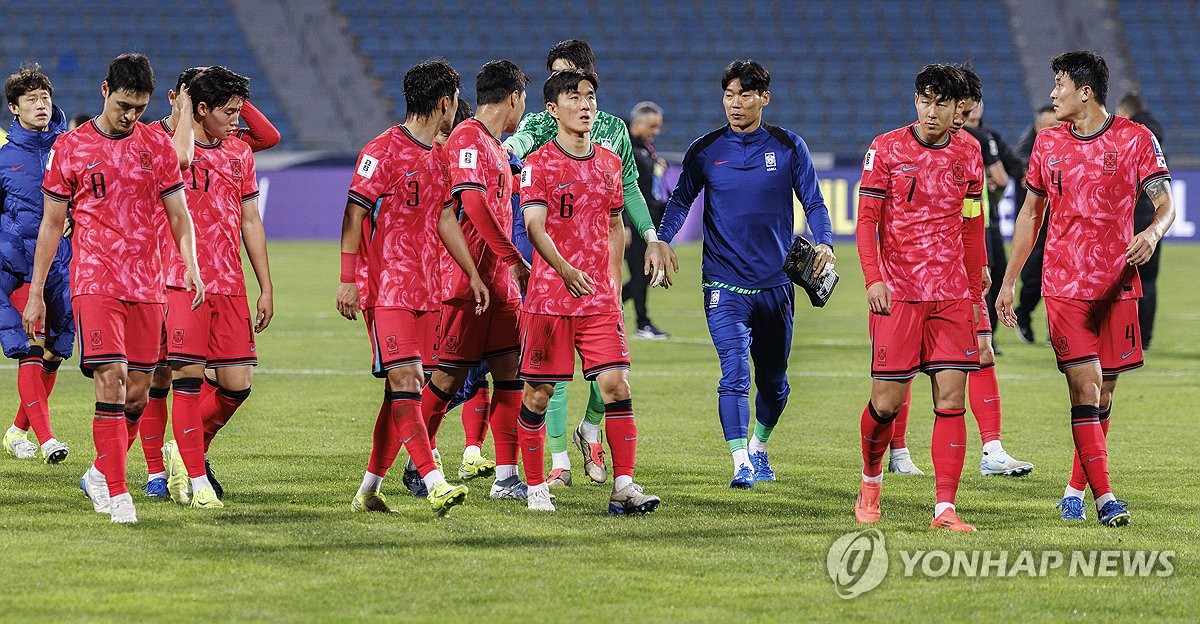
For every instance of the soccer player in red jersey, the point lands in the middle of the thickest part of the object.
(117, 175)
(571, 198)
(399, 190)
(1092, 168)
(482, 185)
(919, 238)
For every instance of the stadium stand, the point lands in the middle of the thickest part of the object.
(1166, 57)
(75, 41)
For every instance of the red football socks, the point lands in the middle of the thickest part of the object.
(984, 392)
(877, 433)
(621, 431)
(949, 449)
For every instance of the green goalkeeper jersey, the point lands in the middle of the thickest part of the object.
(537, 129)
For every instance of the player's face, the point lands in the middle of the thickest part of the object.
(1066, 97)
(33, 109)
(936, 115)
(221, 121)
(518, 109)
(743, 109)
(962, 116)
(647, 127)
(576, 110)
(123, 108)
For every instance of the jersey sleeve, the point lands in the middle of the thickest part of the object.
(368, 182)
(1151, 163)
(260, 134)
(691, 182)
(58, 184)
(535, 130)
(249, 176)
(533, 184)
(808, 191)
(872, 193)
(635, 203)
(618, 200)
(1035, 175)
(170, 178)
(468, 167)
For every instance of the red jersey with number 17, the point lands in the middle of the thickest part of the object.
(116, 185)
(918, 194)
(580, 195)
(403, 185)
(1092, 183)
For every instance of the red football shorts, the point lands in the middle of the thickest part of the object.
(983, 326)
(549, 343)
(19, 299)
(217, 334)
(1107, 332)
(111, 330)
(923, 336)
(398, 337)
(467, 339)
(431, 328)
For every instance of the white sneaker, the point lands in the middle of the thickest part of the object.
(95, 487)
(540, 499)
(54, 452)
(1002, 464)
(122, 509)
(17, 445)
(901, 463)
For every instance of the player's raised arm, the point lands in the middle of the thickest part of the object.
(260, 134)
(184, 233)
(184, 139)
(456, 244)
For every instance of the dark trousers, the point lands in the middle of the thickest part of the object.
(997, 262)
(1148, 304)
(639, 282)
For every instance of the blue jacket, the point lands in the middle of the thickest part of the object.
(22, 167)
(749, 179)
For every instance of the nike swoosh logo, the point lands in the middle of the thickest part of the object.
(187, 431)
(870, 439)
(18, 167)
(1092, 459)
(629, 439)
(405, 440)
(31, 404)
(94, 164)
(149, 437)
(102, 457)
(957, 445)
(991, 400)
(1126, 355)
(481, 409)
(970, 352)
(909, 167)
(1055, 162)
(534, 448)
(198, 159)
(565, 185)
(720, 162)
(412, 173)
(624, 353)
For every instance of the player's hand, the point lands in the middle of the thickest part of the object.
(34, 315)
(659, 256)
(348, 300)
(68, 227)
(482, 297)
(1004, 305)
(987, 280)
(266, 310)
(193, 282)
(1141, 248)
(181, 108)
(823, 258)
(578, 283)
(879, 299)
(520, 272)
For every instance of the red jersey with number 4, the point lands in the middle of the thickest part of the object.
(580, 195)
(478, 162)
(115, 185)
(1092, 184)
(403, 185)
(918, 194)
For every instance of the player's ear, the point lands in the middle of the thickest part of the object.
(12, 108)
(766, 97)
(171, 95)
(1085, 93)
(104, 89)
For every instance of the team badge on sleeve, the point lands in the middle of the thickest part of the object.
(49, 159)
(467, 159)
(526, 177)
(366, 168)
(869, 160)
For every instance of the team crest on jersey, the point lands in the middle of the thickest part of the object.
(177, 338)
(770, 161)
(1110, 162)
(608, 180)
(535, 358)
(97, 338)
(714, 297)
(606, 144)
(147, 162)
(958, 172)
(235, 167)
(881, 355)
(392, 345)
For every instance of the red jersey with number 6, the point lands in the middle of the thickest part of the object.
(1092, 183)
(115, 185)
(580, 195)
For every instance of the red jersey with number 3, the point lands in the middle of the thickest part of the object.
(478, 162)
(919, 194)
(1092, 183)
(403, 185)
(116, 185)
(580, 195)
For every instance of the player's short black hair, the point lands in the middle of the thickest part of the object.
(751, 73)
(463, 113)
(1085, 69)
(942, 82)
(974, 84)
(28, 78)
(496, 80)
(186, 76)
(566, 81)
(1134, 102)
(426, 83)
(130, 72)
(577, 51)
(216, 86)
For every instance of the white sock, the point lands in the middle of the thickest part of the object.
(1070, 491)
(433, 479)
(756, 445)
(876, 479)
(200, 482)
(993, 448)
(471, 451)
(740, 458)
(14, 429)
(941, 507)
(591, 432)
(47, 443)
(560, 460)
(96, 474)
(370, 483)
(622, 482)
(1102, 499)
(541, 487)
(505, 472)
(157, 475)
(898, 452)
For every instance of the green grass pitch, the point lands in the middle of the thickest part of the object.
(287, 547)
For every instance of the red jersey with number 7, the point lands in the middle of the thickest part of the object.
(116, 185)
(1092, 184)
(580, 195)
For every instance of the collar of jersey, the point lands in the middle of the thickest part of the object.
(1088, 137)
(115, 137)
(591, 151)
(413, 138)
(916, 135)
(485, 129)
